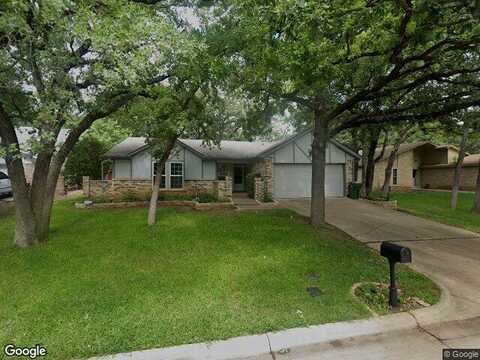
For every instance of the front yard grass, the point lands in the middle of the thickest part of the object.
(435, 205)
(106, 283)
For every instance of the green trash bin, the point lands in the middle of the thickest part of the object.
(354, 190)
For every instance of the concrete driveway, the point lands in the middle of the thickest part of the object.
(448, 255)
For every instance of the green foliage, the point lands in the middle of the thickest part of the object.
(207, 198)
(174, 197)
(84, 160)
(267, 197)
(250, 184)
(132, 196)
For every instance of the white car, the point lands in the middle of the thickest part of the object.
(5, 185)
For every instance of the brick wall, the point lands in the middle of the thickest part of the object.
(442, 177)
(264, 183)
(404, 163)
(349, 168)
(112, 188)
(96, 188)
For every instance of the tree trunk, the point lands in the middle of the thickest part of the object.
(368, 159)
(476, 204)
(39, 191)
(25, 225)
(319, 148)
(458, 169)
(388, 169)
(363, 189)
(152, 209)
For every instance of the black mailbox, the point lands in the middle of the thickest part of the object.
(395, 253)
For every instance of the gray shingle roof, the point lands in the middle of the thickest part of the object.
(125, 148)
(226, 150)
(229, 150)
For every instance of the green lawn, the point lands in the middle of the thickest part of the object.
(106, 283)
(436, 206)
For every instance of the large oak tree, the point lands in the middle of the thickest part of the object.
(67, 64)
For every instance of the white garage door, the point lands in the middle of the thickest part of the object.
(295, 180)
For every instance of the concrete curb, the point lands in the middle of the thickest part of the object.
(255, 345)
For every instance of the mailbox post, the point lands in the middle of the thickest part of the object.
(394, 253)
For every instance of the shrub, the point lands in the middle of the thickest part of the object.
(377, 196)
(85, 160)
(103, 199)
(250, 184)
(175, 197)
(207, 198)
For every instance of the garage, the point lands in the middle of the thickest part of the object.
(294, 180)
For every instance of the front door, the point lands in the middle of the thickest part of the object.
(238, 178)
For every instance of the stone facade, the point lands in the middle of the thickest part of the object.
(264, 182)
(112, 188)
(349, 171)
(442, 177)
(223, 189)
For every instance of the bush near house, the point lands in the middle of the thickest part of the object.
(250, 184)
(85, 160)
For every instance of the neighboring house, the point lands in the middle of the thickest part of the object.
(411, 164)
(283, 168)
(27, 135)
(440, 176)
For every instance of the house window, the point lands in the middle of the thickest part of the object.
(176, 175)
(395, 176)
(163, 183)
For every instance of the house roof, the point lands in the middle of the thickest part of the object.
(226, 150)
(472, 160)
(229, 150)
(468, 161)
(409, 147)
(126, 148)
(402, 149)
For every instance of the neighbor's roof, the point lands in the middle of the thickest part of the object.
(468, 161)
(408, 147)
(26, 134)
(403, 149)
(472, 160)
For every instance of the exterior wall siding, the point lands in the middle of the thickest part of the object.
(122, 169)
(142, 166)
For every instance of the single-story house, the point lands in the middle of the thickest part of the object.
(283, 168)
(423, 165)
